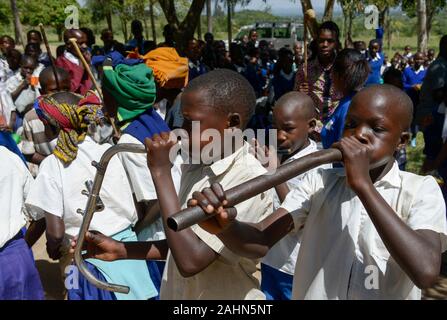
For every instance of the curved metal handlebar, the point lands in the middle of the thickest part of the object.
(93, 205)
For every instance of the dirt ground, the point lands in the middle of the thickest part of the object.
(49, 272)
(54, 288)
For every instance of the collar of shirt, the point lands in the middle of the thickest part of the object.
(392, 178)
(72, 58)
(376, 57)
(421, 68)
(221, 166)
(312, 147)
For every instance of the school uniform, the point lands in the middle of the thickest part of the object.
(278, 266)
(19, 279)
(342, 255)
(65, 184)
(229, 276)
(283, 83)
(334, 126)
(196, 69)
(80, 81)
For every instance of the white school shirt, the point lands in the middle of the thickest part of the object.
(229, 276)
(140, 179)
(342, 255)
(282, 256)
(57, 190)
(15, 181)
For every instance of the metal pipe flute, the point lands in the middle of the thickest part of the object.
(190, 216)
(93, 205)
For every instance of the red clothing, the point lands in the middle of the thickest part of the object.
(80, 81)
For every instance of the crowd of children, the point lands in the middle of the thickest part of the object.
(317, 236)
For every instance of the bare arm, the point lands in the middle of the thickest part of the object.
(251, 240)
(55, 231)
(190, 253)
(35, 231)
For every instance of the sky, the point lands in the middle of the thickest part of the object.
(287, 7)
(279, 7)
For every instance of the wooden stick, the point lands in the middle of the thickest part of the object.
(47, 46)
(74, 42)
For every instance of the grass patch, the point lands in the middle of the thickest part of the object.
(415, 157)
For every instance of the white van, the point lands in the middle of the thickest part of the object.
(281, 34)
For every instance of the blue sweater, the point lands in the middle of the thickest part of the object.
(282, 85)
(333, 128)
(376, 64)
(411, 78)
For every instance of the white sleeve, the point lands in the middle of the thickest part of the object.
(298, 201)
(27, 184)
(428, 211)
(46, 194)
(139, 176)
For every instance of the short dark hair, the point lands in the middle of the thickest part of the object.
(331, 26)
(351, 66)
(29, 33)
(48, 73)
(226, 91)
(34, 46)
(392, 76)
(27, 58)
(7, 37)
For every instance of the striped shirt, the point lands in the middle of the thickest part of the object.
(33, 137)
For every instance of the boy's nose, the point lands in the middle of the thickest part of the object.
(362, 135)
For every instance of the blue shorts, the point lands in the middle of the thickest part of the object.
(275, 284)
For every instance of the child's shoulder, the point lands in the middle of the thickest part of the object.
(417, 183)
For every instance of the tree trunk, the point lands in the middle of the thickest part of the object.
(345, 24)
(382, 16)
(151, 13)
(230, 33)
(209, 17)
(328, 10)
(185, 30)
(389, 32)
(422, 25)
(124, 29)
(109, 20)
(431, 11)
(199, 28)
(18, 32)
(146, 27)
(350, 19)
(312, 24)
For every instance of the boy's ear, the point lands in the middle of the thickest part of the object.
(234, 120)
(312, 123)
(404, 139)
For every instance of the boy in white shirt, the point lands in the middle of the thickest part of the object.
(294, 118)
(57, 193)
(370, 230)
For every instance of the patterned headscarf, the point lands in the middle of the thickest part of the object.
(72, 120)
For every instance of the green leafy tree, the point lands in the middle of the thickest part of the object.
(5, 13)
(432, 8)
(50, 13)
